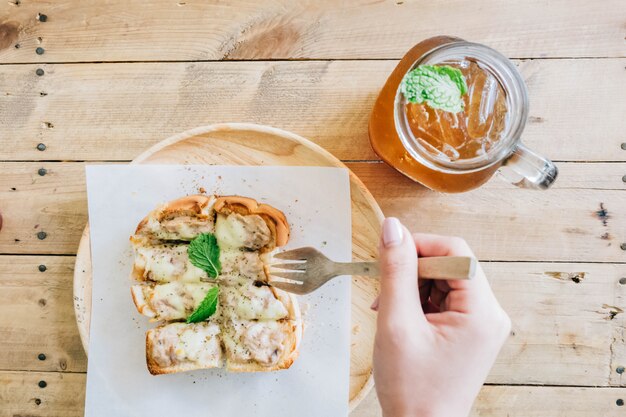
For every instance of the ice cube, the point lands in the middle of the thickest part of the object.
(450, 152)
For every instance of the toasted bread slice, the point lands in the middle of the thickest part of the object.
(260, 346)
(171, 301)
(180, 347)
(257, 327)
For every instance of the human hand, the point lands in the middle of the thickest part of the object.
(436, 340)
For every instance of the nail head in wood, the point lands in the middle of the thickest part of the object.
(619, 369)
(623, 246)
(39, 50)
(624, 178)
(42, 17)
(619, 402)
(41, 147)
(41, 235)
(39, 72)
(42, 171)
(37, 401)
(624, 146)
(42, 268)
(41, 357)
(42, 384)
(622, 280)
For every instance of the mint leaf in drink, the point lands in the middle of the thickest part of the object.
(456, 75)
(207, 307)
(441, 87)
(204, 253)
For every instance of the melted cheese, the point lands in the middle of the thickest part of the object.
(249, 302)
(237, 231)
(246, 264)
(229, 232)
(200, 346)
(165, 263)
(177, 343)
(175, 300)
(258, 341)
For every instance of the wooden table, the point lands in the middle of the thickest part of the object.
(84, 81)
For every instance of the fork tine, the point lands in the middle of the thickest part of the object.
(300, 254)
(294, 276)
(289, 287)
(294, 266)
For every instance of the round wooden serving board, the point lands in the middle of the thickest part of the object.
(250, 144)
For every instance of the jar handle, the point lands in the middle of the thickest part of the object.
(527, 169)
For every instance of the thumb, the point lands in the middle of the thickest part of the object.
(399, 294)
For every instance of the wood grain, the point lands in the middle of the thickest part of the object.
(89, 114)
(504, 223)
(64, 396)
(36, 315)
(195, 30)
(21, 395)
(30, 203)
(570, 216)
(520, 401)
(567, 323)
(566, 320)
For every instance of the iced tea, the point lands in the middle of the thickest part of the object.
(470, 133)
(461, 148)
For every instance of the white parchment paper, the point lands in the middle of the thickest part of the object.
(316, 202)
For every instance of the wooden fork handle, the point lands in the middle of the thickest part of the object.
(446, 267)
(436, 267)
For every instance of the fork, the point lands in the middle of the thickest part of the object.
(315, 269)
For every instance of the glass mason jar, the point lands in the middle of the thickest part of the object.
(394, 140)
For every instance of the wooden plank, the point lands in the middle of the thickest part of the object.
(520, 401)
(545, 310)
(583, 225)
(505, 223)
(566, 320)
(116, 111)
(37, 315)
(64, 396)
(195, 30)
(21, 395)
(563, 335)
(54, 205)
(618, 344)
(589, 176)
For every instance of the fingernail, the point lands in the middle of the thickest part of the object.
(374, 305)
(392, 232)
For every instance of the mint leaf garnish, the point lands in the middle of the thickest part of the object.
(456, 75)
(441, 87)
(204, 253)
(207, 307)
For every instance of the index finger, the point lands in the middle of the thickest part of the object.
(471, 292)
(436, 245)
